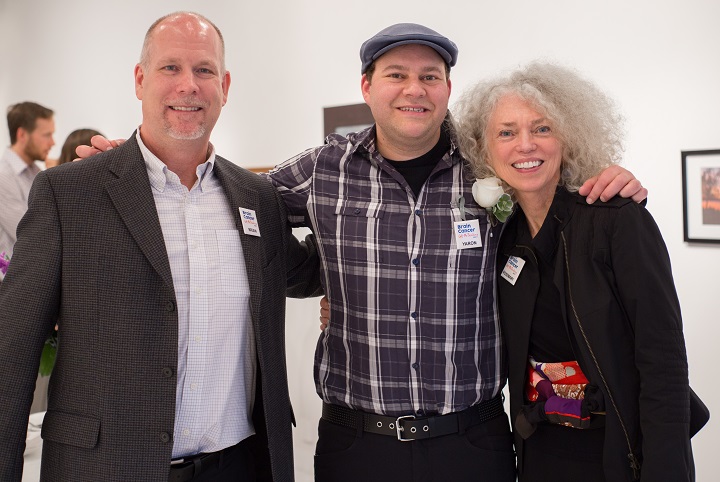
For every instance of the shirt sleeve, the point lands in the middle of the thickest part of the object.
(294, 181)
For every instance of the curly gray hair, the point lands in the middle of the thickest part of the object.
(583, 117)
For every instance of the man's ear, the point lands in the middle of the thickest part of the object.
(21, 136)
(225, 86)
(139, 78)
(365, 87)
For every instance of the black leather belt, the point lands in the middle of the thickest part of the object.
(411, 427)
(187, 468)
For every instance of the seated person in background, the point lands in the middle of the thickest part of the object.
(588, 307)
(78, 137)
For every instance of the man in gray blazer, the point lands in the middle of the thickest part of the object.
(166, 268)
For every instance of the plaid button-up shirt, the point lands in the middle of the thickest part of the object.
(413, 320)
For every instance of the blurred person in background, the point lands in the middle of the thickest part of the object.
(31, 127)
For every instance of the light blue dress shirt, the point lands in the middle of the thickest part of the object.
(16, 178)
(216, 343)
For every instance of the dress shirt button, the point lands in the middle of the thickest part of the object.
(413, 315)
(170, 306)
(357, 211)
(415, 366)
(416, 261)
(167, 372)
(418, 212)
(165, 437)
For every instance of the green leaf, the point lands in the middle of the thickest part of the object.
(47, 359)
(503, 208)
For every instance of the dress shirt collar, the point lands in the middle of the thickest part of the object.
(159, 173)
(18, 165)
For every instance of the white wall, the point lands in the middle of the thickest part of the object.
(658, 58)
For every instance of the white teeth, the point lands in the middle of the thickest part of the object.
(185, 109)
(527, 164)
(410, 109)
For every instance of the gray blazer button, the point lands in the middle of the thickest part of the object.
(170, 307)
(167, 372)
(165, 437)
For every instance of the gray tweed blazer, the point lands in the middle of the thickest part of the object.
(90, 255)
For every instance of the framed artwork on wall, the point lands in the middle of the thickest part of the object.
(701, 196)
(347, 118)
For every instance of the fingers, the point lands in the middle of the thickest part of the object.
(101, 143)
(85, 151)
(634, 190)
(98, 144)
(324, 313)
(612, 181)
(586, 188)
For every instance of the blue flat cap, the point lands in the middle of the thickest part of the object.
(403, 34)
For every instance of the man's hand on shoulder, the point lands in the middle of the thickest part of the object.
(98, 144)
(613, 181)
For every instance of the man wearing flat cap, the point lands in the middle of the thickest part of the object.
(410, 368)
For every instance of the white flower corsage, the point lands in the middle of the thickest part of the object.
(489, 194)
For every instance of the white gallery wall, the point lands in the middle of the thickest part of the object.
(659, 59)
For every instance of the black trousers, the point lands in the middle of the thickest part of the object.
(236, 464)
(563, 454)
(484, 452)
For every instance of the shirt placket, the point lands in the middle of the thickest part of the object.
(414, 347)
(198, 308)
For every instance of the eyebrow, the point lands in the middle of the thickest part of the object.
(177, 60)
(535, 122)
(430, 68)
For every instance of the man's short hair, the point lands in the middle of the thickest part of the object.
(144, 53)
(25, 115)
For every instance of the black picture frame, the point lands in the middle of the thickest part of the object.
(701, 196)
(347, 118)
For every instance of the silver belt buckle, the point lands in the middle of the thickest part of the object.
(400, 429)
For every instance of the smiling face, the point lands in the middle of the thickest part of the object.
(524, 151)
(408, 96)
(181, 81)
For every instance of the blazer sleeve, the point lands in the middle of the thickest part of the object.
(641, 265)
(303, 262)
(29, 303)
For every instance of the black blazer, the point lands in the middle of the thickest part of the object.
(91, 255)
(617, 280)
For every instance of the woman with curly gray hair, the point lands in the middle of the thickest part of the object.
(587, 301)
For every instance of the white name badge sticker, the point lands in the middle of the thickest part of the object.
(512, 269)
(249, 222)
(467, 234)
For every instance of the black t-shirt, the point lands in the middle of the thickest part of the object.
(416, 171)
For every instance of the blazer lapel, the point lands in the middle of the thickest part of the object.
(132, 196)
(241, 197)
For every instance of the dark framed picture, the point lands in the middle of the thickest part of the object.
(347, 118)
(701, 196)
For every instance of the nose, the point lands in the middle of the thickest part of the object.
(526, 142)
(414, 88)
(186, 83)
